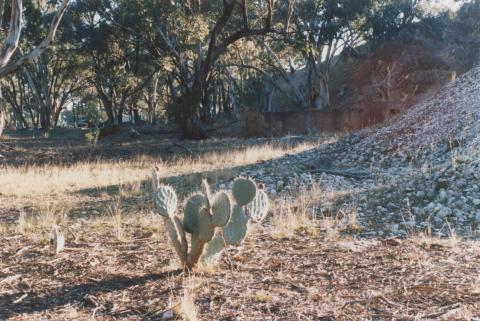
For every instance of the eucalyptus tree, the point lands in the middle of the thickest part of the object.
(55, 75)
(11, 39)
(55, 78)
(324, 29)
(390, 17)
(119, 64)
(467, 24)
(189, 38)
(16, 94)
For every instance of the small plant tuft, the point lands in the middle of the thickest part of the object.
(92, 136)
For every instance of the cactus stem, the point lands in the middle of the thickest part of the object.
(196, 251)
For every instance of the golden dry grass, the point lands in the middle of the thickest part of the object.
(186, 307)
(297, 214)
(300, 267)
(28, 180)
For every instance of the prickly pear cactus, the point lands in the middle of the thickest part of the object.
(236, 230)
(193, 207)
(212, 222)
(257, 210)
(244, 191)
(214, 248)
(165, 200)
(221, 209)
(154, 179)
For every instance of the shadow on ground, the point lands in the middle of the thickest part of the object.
(72, 294)
(70, 148)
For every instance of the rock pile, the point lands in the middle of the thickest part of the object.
(425, 166)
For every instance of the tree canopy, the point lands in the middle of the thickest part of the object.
(189, 61)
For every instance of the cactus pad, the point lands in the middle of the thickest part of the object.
(221, 209)
(214, 248)
(244, 190)
(206, 229)
(236, 230)
(154, 179)
(174, 237)
(165, 200)
(206, 192)
(181, 235)
(194, 204)
(257, 210)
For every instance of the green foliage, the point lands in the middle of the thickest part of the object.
(321, 22)
(90, 110)
(389, 17)
(467, 25)
(210, 222)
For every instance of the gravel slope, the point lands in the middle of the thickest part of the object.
(422, 169)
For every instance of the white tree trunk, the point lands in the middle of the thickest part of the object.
(2, 121)
(10, 43)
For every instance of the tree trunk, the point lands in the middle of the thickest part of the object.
(2, 121)
(270, 93)
(120, 111)
(189, 122)
(318, 88)
(45, 119)
(3, 113)
(116, 117)
(56, 116)
(17, 112)
(43, 102)
(108, 106)
(153, 100)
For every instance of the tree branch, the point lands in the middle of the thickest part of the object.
(10, 44)
(6, 67)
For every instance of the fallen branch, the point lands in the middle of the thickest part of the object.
(20, 299)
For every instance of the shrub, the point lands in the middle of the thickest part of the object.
(92, 136)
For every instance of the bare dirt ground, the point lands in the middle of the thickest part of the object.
(118, 265)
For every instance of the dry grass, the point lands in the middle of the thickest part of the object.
(27, 180)
(452, 242)
(186, 307)
(118, 265)
(296, 214)
(289, 221)
(303, 213)
(114, 216)
(39, 222)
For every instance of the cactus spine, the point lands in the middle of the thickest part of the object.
(212, 222)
